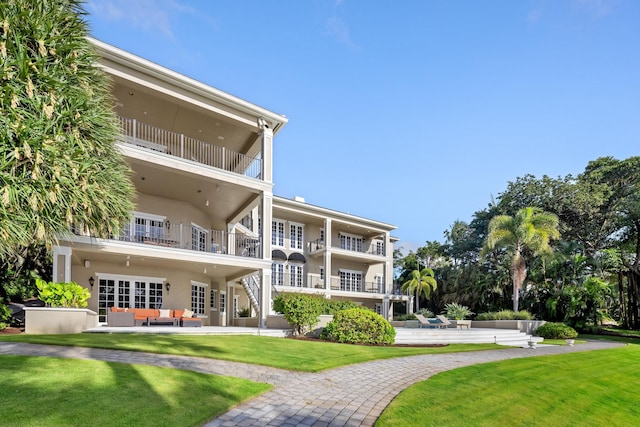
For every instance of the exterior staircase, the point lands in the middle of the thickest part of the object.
(251, 286)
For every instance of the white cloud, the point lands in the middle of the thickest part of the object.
(157, 16)
(339, 30)
(595, 8)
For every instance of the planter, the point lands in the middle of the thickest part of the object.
(532, 344)
(570, 342)
(527, 326)
(461, 323)
(58, 320)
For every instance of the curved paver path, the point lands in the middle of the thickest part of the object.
(352, 395)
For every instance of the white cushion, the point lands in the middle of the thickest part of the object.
(187, 313)
(165, 312)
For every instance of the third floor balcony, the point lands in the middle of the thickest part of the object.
(162, 141)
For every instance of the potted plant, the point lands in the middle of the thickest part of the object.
(459, 313)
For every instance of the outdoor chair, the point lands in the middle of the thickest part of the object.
(444, 320)
(430, 323)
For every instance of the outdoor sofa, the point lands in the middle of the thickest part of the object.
(117, 316)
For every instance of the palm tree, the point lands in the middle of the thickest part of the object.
(422, 282)
(59, 165)
(528, 232)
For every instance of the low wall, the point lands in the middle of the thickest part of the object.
(58, 320)
(279, 322)
(246, 322)
(526, 326)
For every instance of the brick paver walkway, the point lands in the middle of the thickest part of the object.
(352, 395)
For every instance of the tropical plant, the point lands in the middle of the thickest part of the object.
(422, 282)
(60, 294)
(528, 232)
(456, 311)
(59, 162)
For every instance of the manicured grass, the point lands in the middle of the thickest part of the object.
(299, 355)
(44, 391)
(593, 388)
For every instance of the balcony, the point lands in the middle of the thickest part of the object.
(314, 281)
(173, 144)
(181, 236)
(359, 247)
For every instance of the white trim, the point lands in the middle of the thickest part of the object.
(145, 215)
(131, 277)
(342, 233)
(344, 270)
(194, 282)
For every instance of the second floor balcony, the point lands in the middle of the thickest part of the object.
(168, 143)
(181, 236)
(360, 246)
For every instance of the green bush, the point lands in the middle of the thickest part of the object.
(63, 294)
(330, 306)
(551, 330)
(5, 315)
(505, 315)
(456, 311)
(403, 317)
(359, 326)
(301, 311)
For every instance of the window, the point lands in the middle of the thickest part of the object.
(322, 235)
(350, 280)
(322, 273)
(379, 248)
(351, 242)
(277, 233)
(127, 292)
(277, 273)
(235, 306)
(297, 276)
(379, 283)
(213, 297)
(296, 236)
(197, 297)
(378, 308)
(223, 301)
(198, 238)
(144, 226)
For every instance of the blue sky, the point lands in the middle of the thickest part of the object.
(414, 113)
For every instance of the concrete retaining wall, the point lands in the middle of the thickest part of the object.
(58, 320)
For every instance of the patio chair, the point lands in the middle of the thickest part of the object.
(444, 320)
(430, 323)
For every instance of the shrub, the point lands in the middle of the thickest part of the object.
(359, 326)
(505, 315)
(60, 294)
(551, 330)
(330, 306)
(456, 311)
(403, 317)
(5, 315)
(301, 311)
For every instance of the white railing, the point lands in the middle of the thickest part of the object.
(178, 145)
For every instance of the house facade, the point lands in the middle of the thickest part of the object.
(207, 232)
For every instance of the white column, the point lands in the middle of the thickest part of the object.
(267, 152)
(62, 264)
(327, 254)
(265, 296)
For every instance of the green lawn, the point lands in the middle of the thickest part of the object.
(44, 391)
(593, 388)
(309, 356)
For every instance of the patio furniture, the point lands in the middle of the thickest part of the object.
(444, 320)
(430, 323)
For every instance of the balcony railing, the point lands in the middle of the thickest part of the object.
(314, 281)
(178, 145)
(181, 236)
(363, 248)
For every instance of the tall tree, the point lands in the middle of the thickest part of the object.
(421, 282)
(59, 163)
(528, 232)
